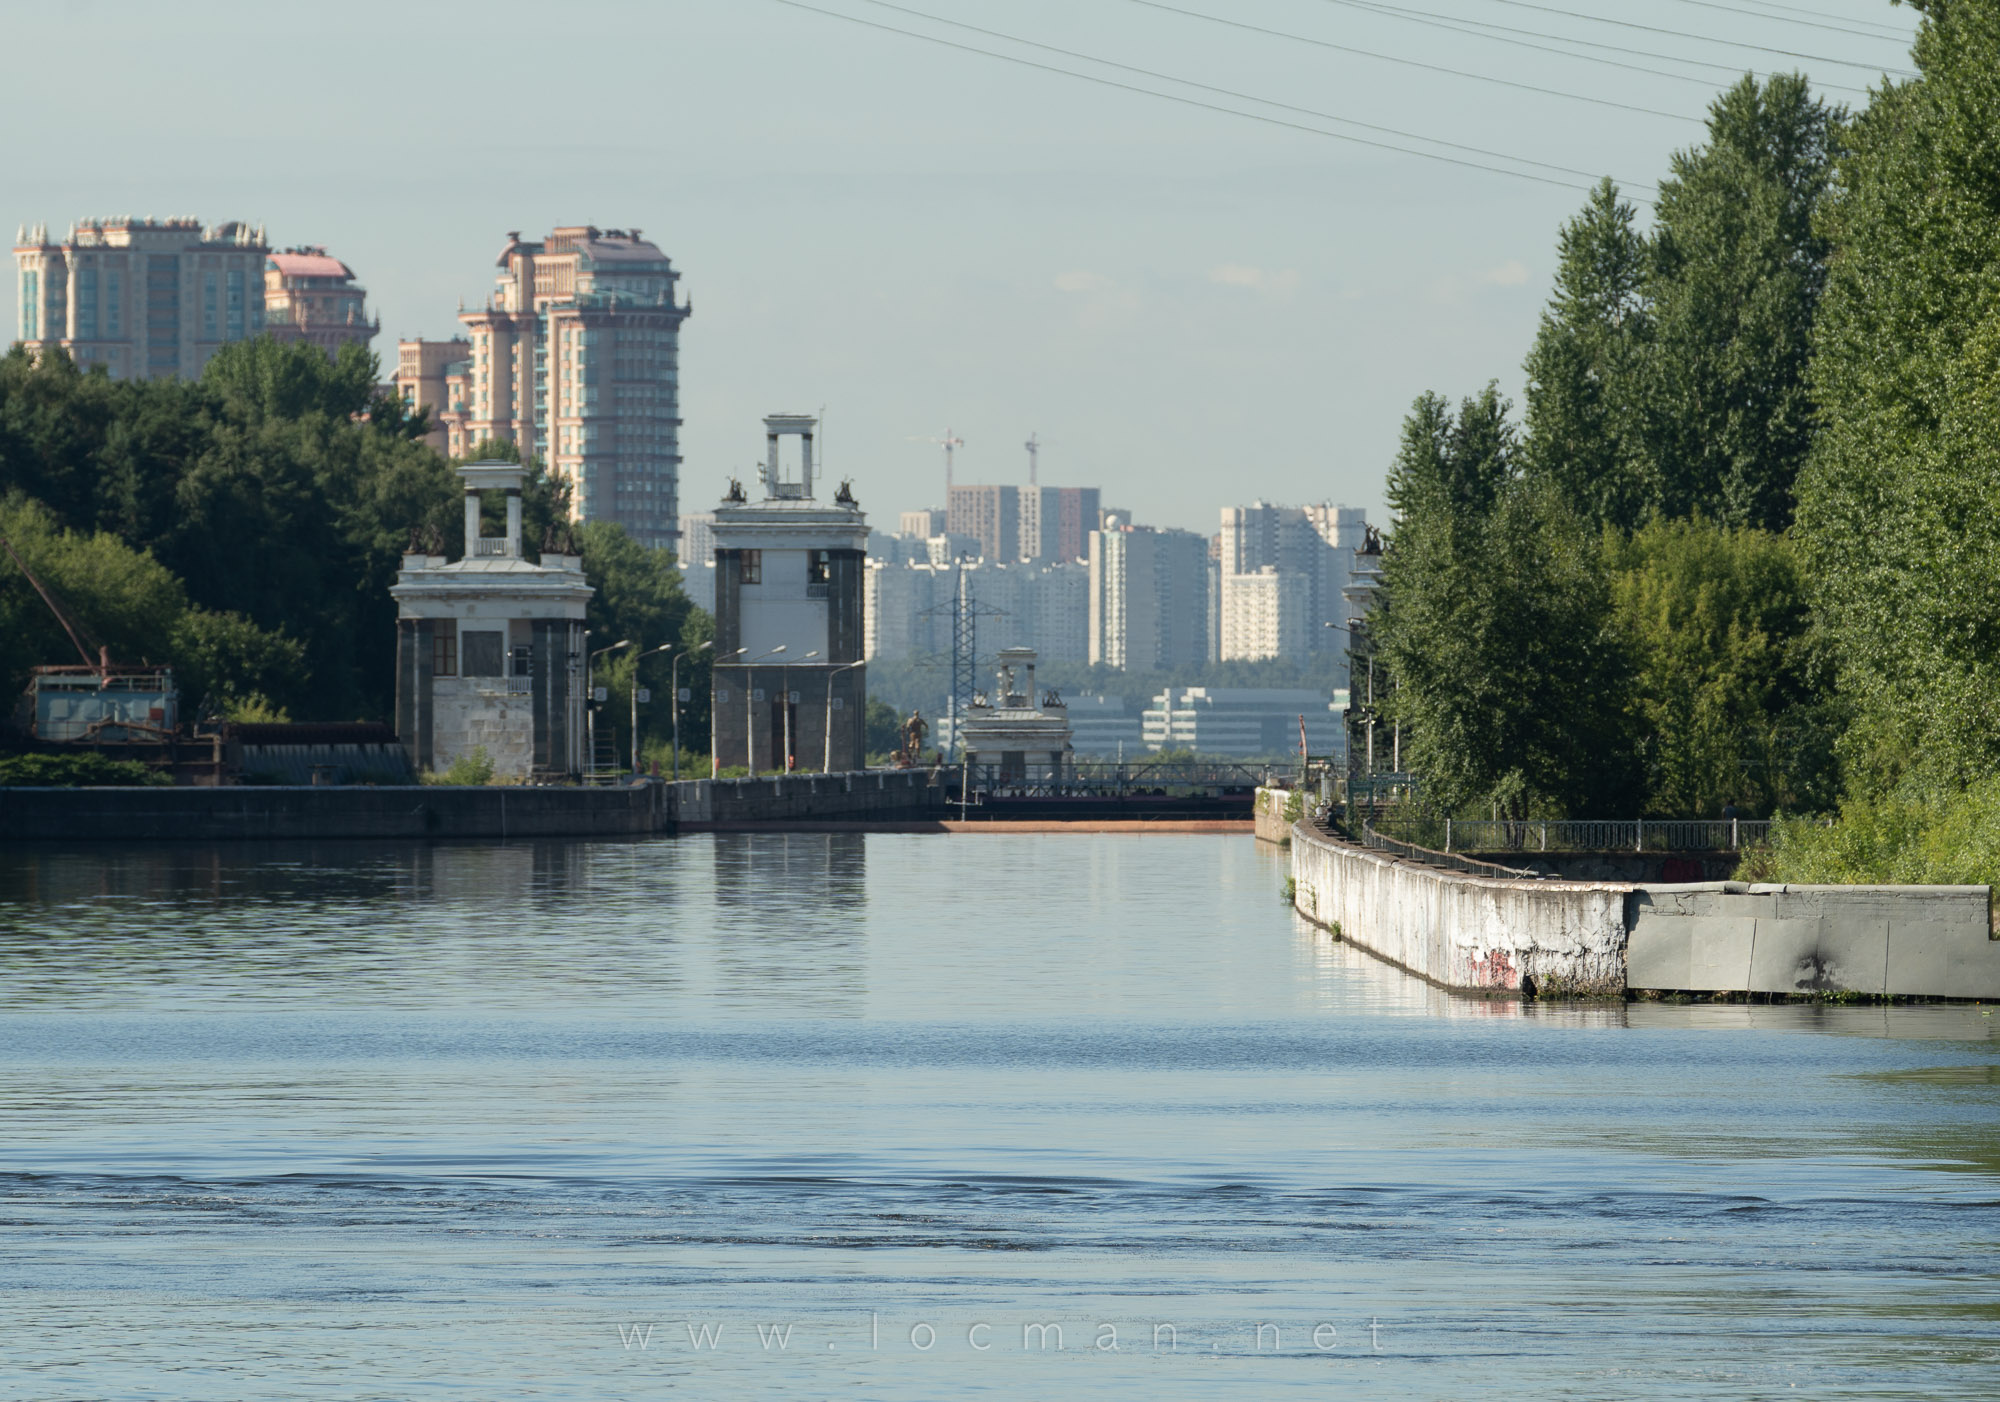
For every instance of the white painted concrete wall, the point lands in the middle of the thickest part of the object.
(1603, 937)
(1561, 937)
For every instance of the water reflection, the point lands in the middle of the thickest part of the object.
(796, 910)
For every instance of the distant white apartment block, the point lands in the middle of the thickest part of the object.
(696, 556)
(1265, 614)
(1313, 545)
(907, 608)
(1148, 597)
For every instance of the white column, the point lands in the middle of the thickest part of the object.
(471, 524)
(514, 521)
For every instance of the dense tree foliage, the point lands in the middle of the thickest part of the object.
(1601, 617)
(129, 603)
(1496, 624)
(246, 528)
(1723, 706)
(1737, 273)
(277, 488)
(1899, 514)
(1669, 375)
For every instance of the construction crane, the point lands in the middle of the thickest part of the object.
(949, 442)
(1033, 445)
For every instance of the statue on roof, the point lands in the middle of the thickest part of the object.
(845, 496)
(734, 495)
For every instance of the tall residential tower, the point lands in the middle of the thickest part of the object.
(576, 361)
(147, 299)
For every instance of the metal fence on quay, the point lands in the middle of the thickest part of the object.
(1450, 861)
(1621, 835)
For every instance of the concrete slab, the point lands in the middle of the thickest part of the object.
(1819, 955)
(1935, 960)
(1657, 955)
(1719, 953)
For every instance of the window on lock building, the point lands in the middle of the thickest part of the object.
(753, 567)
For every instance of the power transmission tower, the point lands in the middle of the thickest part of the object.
(964, 613)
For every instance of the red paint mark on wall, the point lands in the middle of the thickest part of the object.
(1496, 970)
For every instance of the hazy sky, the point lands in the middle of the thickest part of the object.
(1192, 309)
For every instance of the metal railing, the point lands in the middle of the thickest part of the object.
(1451, 861)
(1621, 835)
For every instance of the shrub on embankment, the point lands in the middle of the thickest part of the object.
(77, 771)
(1924, 837)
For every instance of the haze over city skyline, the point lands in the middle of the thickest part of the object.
(1190, 308)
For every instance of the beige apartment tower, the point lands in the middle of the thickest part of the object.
(311, 296)
(146, 299)
(575, 359)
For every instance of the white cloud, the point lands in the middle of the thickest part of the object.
(1081, 280)
(1512, 273)
(1256, 279)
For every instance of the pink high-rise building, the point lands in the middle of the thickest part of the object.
(312, 297)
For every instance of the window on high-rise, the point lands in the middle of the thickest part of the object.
(31, 304)
(210, 307)
(235, 304)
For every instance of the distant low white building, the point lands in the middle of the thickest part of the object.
(1244, 721)
(1104, 727)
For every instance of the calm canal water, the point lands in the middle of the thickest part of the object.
(875, 1117)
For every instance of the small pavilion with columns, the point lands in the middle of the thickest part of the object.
(490, 647)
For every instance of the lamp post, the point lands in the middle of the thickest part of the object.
(749, 712)
(715, 720)
(785, 681)
(663, 647)
(826, 765)
(675, 686)
(590, 690)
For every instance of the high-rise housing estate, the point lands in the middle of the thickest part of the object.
(436, 376)
(576, 360)
(1313, 546)
(1056, 522)
(145, 298)
(991, 514)
(1264, 614)
(922, 524)
(311, 296)
(1148, 597)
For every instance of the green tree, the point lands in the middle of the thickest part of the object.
(130, 603)
(1494, 623)
(1584, 426)
(1723, 686)
(1899, 509)
(1739, 267)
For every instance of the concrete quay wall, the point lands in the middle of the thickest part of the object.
(439, 811)
(1554, 937)
(1269, 815)
(1473, 932)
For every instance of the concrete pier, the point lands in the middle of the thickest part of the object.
(1603, 938)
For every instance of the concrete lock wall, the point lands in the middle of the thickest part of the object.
(1554, 937)
(1475, 932)
(441, 811)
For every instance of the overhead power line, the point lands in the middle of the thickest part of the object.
(1479, 29)
(1414, 63)
(1590, 175)
(1183, 100)
(1810, 19)
(1699, 38)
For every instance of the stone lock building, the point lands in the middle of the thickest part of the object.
(490, 647)
(789, 684)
